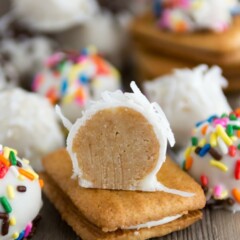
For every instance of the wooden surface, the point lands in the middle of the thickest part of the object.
(216, 225)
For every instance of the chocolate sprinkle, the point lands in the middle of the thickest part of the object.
(215, 154)
(19, 164)
(21, 189)
(5, 227)
(4, 216)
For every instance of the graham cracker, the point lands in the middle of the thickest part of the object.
(88, 231)
(110, 210)
(151, 66)
(159, 51)
(205, 44)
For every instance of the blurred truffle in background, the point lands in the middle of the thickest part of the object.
(22, 50)
(29, 124)
(54, 16)
(31, 31)
(188, 96)
(73, 79)
(107, 29)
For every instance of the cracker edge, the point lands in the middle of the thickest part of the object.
(88, 231)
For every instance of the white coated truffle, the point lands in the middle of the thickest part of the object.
(28, 123)
(74, 79)
(151, 112)
(212, 158)
(22, 49)
(54, 15)
(187, 96)
(22, 193)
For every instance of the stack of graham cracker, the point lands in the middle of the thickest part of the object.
(158, 51)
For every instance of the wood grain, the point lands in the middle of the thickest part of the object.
(216, 225)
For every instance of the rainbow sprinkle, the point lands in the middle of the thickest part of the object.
(9, 161)
(216, 142)
(219, 165)
(179, 15)
(75, 77)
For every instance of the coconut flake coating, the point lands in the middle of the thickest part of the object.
(187, 96)
(28, 123)
(17, 42)
(152, 114)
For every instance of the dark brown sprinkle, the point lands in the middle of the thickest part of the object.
(21, 189)
(215, 154)
(5, 227)
(197, 150)
(4, 216)
(19, 164)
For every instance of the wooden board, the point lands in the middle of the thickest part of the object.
(216, 225)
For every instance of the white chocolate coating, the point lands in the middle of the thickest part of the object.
(187, 96)
(220, 180)
(28, 123)
(25, 205)
(151, 111)
(56, 15)
(154, 223)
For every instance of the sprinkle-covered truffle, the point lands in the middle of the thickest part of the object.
(73, 79)
(190, 15)
(191, 95)
(213, 158)
(20, 198)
